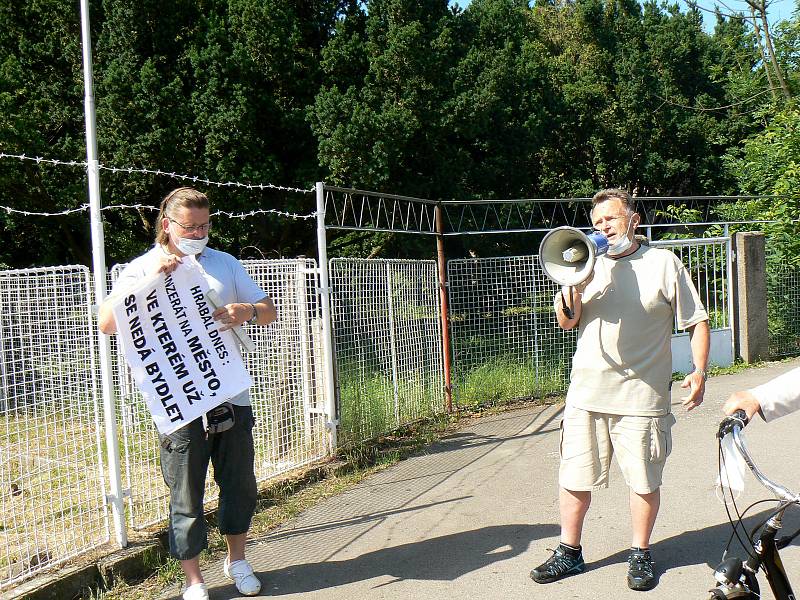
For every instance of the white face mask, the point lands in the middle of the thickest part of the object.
(623, 243)
(189, 246)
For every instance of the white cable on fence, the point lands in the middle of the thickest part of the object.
(29, 213)
(195, 179)
(230, 215)
(83, 207)
(171, 174)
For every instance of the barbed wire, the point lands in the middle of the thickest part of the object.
(230, 215)
(195, 179)
(29, 213)
(264, 211)
(40, 159)
(159, 172)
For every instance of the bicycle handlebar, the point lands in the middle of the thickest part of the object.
(733, 425)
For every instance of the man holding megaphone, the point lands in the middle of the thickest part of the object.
(624, 297)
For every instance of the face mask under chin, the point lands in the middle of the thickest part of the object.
(623, 244)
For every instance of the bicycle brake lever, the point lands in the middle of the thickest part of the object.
(731, 421)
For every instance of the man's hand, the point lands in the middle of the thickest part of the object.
(232, 315)
(697, 387)
(744, 400)
(168, 263)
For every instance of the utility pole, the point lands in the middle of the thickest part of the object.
(114, 496)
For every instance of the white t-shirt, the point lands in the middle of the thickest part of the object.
(780, 396)
(623, 361)
(224, 274)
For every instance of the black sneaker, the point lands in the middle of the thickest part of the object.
(640, 571)
(561, 564)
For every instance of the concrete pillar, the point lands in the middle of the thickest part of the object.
(751, 326)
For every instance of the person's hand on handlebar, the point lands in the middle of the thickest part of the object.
(742, 400)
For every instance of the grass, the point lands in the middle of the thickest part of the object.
(48, 482)
(505, 379)
(367, 401)
(368, 405)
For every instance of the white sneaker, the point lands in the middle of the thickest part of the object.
(198, 591)
(242, 575)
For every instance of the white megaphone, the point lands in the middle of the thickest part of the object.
(568, 255)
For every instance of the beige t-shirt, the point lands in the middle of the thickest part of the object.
(623, 362)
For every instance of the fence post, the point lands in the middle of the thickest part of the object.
(327, 329)
(306, 346)
(532, 271)
(752, 326)
(445, 317)
(393, 344)
(730, 278)
(3, 381)
(99, 266)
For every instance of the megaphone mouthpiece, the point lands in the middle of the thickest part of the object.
(575, 253)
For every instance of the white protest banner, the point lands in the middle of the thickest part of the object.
(183, 365)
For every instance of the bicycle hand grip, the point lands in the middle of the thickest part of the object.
(737, 420)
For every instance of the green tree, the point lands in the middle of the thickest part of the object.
(770, 165)
(211, 88)
(218, 90)
(384, 129)
(636, 103)
(41, 114)
(497, 116)
(502, 99)
(380, 126)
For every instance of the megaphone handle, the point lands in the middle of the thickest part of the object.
(568, 312)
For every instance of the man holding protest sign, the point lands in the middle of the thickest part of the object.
(187, 365)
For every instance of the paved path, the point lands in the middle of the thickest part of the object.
(472, 515)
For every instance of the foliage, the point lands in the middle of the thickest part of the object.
(501, 99)
(214, 89)
(769, 164)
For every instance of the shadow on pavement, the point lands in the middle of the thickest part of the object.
(703, 546)
(441, 558)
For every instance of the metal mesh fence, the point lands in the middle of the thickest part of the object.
(287, 369)
(287, 399)
(506, 342)
(783, 311)
(386, 323)
(52, 504)
(707, 262)
(783, 301)
(387, 334)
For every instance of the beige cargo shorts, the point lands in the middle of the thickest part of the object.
(590, 439)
